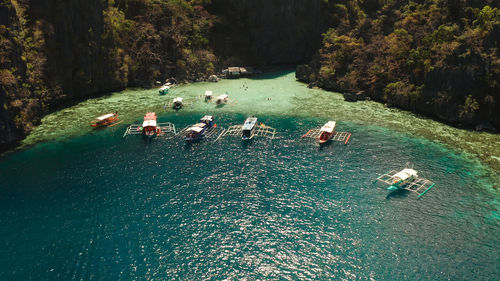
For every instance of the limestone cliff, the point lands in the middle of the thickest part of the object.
(263, 32)
(55, 53)
(437, 57)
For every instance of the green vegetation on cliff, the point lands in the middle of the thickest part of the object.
(439, 57)
(57, 52)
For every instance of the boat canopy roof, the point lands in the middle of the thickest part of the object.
(208, 93)
(222, 97)
(249, 123)
(104, 117)
(328, 127)
(207, 118)
(149, 123)
(197, 127)
(178, 99)
(405, 174)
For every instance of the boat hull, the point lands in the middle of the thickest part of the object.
(324, 138)
(104, 123)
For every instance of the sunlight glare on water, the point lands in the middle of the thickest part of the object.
(102, 207)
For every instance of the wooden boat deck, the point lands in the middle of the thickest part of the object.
(167, 129)
(420, 185)
(337, 136)
(260, 131)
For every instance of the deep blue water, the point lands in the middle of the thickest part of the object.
(100, 207)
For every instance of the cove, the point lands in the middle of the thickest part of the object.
(84, 204)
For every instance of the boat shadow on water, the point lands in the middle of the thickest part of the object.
(246, 143)
(326, 146)
(398, 194)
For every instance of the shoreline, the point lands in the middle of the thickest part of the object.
(289, 97)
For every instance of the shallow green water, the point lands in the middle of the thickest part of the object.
(93, 205)
(275, 94)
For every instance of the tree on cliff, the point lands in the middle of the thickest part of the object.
(54, 52)
(440, 57)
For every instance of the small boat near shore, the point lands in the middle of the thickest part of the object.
(222, 99)
(177, 103)
(248, 128)
(105, 120)
(208, 95)
(406, 179)
(326, 132)
(150, 127)
(251, 128)
(165, 88)
(198, 130)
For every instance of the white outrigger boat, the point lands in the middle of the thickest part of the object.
(177, 103)
(222, 99)
(326, 133)
(250, 129)
(208, 95)
(406, 179)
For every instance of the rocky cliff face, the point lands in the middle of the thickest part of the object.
(263, 32)
(54, 53)
(57, 52)
(436, 57)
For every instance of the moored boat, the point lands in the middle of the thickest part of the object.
(177, 103)
(403, 177)
(248, 127)
(221, 99)
(105, 120)
(326, 132)
(197, 131)
(149, 125)
(406, 179)
(164, 89)
(208, 95)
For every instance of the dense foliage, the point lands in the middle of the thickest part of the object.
(54, 52)
(434, 56)
(439, 57)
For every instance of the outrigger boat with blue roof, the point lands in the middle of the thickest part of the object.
(206, 128)
(150, 127)
(406, 179)
(250, 129)
(326, 133)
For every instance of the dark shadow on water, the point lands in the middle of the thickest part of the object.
(327, 146)
(272, 74)
(188, 145)
(246, 143)
(398, 193)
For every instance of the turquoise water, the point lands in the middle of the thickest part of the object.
(99, 207)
